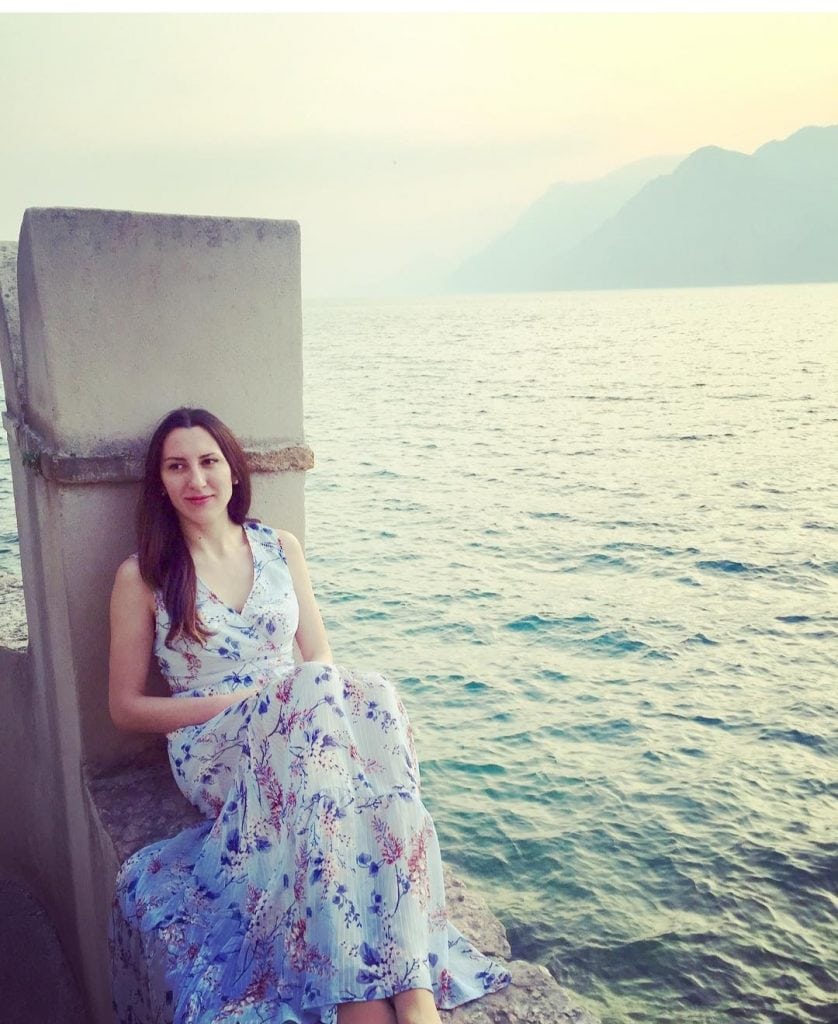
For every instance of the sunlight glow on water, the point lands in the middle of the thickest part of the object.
(593, 537)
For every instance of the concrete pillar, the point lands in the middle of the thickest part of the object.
(122, 317)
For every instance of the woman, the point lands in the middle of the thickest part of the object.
(313, 892)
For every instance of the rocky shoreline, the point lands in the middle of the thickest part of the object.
(534, 997)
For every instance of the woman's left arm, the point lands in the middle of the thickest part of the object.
(311, 633)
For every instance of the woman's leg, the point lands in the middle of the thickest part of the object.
(416, 1006)
(376, 1011)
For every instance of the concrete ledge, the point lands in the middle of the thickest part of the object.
(139, 803)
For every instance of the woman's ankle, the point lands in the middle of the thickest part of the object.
(416, 1006)
(376, 1011)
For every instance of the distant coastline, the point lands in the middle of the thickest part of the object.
(716, 217)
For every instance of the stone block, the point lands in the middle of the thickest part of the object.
(143, 312)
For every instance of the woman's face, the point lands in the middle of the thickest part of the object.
(195, 475)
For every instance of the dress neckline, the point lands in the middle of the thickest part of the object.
(221, 601)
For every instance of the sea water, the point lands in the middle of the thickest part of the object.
(593, 537)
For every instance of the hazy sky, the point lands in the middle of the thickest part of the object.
(399, 141)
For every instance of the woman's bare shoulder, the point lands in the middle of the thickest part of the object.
(129, 571)
(289, 541)
(129, 584)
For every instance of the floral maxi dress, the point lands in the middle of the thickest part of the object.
(316, 878)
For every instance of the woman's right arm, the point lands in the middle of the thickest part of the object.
(132, 638)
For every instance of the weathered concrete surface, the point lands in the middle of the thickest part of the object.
(139, 803)
(14, 635)
(11, 358)
(121, 468)
(141, 312)
(36, 986)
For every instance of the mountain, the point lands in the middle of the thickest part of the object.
(720, 217)
(524, 258)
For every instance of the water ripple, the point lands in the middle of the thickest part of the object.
(617, 647)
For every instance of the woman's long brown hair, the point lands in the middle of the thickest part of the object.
(164, 559)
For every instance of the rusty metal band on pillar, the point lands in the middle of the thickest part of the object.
(67, 468)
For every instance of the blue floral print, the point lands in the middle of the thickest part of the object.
(316, 878)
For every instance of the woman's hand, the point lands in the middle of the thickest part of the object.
(237, 696)
(221, 701)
